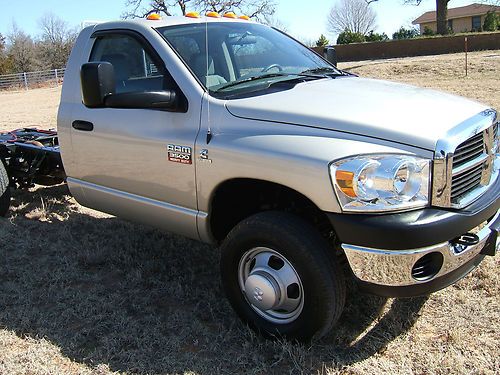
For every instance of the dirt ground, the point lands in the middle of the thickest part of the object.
(86, 293)
(29, 108)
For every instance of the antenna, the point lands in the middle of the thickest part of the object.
(209, 132)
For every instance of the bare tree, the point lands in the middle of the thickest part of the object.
(3, 57)
(353, 15)
(276, 23)
(21, 50)
(137, 8)
(309, 42)
(55, 43)
(441, 13)
(256, 8)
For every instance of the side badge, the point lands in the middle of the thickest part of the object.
(180, 154)
(204, 156)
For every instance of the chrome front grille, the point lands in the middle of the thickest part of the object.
(468, 150)
(463, 167)
(468, 164)
(463, 183)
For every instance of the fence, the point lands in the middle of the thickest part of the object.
(416, 47)
(29, 80)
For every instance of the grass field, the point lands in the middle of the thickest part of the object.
(86, 293)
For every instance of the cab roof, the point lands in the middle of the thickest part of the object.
(170, 21)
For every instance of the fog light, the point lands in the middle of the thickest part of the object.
(427, 267)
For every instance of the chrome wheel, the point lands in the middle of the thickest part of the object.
(271, 285)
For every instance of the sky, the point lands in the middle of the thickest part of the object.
(305, 20)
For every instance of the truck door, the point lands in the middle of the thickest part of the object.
(136, 163)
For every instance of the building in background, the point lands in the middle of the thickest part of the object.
(461, 19)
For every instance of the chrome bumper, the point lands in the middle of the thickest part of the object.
(394, 267)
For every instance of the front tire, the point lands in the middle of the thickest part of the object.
(4, 190)
(281, 276)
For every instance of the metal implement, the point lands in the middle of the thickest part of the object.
(32, 157)
(271, 285)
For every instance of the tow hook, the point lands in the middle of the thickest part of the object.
(461, 243)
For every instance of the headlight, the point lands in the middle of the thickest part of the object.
(377, 183)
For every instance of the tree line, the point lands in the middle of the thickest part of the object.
(21, 52)
(355, 20)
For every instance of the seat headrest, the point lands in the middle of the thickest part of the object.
(120, 65)
(199, 66)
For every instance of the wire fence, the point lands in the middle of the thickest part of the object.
(29, 80)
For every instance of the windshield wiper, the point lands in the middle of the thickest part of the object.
(263, 76)
(326, 71)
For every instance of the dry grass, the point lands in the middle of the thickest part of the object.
(86, 293)
(444, 72)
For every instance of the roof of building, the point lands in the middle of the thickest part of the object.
(465, 11)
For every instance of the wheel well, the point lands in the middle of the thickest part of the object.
(237, 199)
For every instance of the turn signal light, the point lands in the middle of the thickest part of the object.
(344, 181)
(213, 14)
(153, 17)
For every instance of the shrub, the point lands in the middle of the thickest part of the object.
(347, 37)
(404, 33)
(428, 31)
(376, 37)
(491, 21)
(322, 41)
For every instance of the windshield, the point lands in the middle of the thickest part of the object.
(243, 57)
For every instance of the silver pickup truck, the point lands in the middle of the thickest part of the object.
(233, 133)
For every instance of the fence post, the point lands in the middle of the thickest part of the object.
(465, 41)
(25, 78)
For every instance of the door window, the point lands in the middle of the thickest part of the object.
(135, 68)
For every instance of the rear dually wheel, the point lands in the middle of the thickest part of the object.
(4, 190)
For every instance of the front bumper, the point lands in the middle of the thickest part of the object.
(417, 253)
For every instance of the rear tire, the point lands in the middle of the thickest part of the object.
(281, 277)
(4, 190)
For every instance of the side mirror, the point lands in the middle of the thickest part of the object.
(98, 82)
(98, 89)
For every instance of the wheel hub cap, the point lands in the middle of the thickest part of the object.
(271, 285)
(262, 290)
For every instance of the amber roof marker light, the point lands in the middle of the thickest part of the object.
(153, 17)
(230, 15)
(213, 14)
(246, 18)
(193, 15)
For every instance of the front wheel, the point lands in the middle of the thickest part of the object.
(281, 276)
(4, 190)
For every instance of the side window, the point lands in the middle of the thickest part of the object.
(135, 68)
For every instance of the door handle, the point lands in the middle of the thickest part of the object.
(83, 125)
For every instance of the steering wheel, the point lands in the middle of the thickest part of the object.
(272, 66)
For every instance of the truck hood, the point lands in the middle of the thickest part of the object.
(374, 108)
